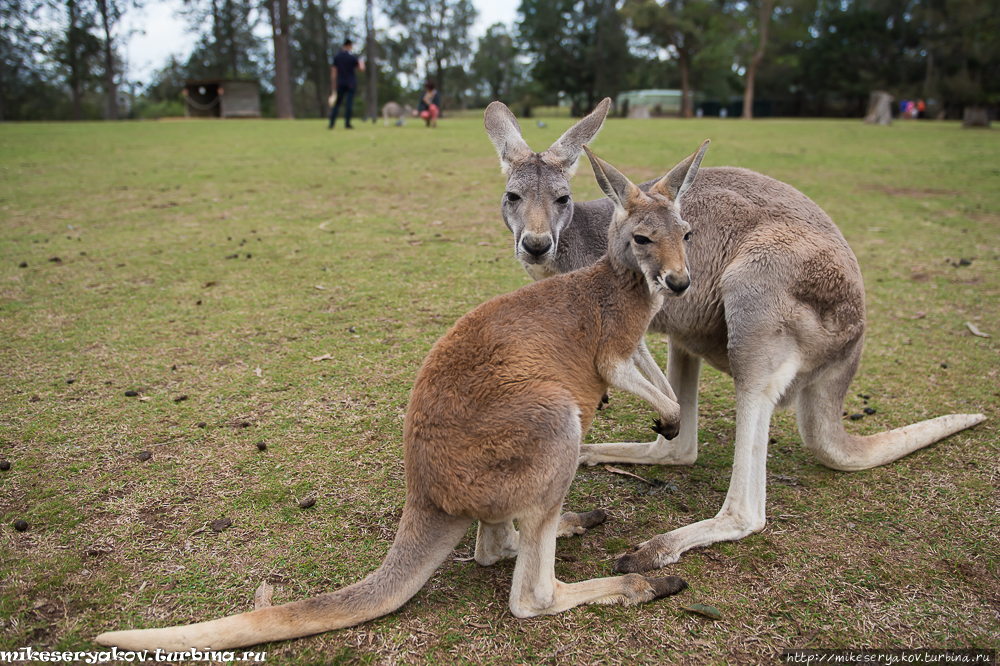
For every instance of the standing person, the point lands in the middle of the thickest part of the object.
(343, 80)
(429, 107)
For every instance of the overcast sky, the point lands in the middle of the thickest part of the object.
(159, 33)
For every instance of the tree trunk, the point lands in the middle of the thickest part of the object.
(440, 80)
(371, 57)
(278, 11)
(231, 35)
(324, 78)
(879, 109)
(686, 111)
(764, 21)
(73, 60)
(110, 88)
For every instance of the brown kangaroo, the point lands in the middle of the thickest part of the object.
(493, 432)
(777, 302)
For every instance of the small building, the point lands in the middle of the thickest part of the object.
(221, 98)
(646, 103)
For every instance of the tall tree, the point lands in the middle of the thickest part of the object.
(684, 27)
(227, 46)
(764, 10)
(439, 29)
(20, 42)
(495, 65)
(78, 50)
(580, 48)
(371, 63)
(111, 12)
(280, 30)
(311, 55)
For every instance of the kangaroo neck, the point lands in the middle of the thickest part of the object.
(629, 283)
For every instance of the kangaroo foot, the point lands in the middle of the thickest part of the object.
(571, 524)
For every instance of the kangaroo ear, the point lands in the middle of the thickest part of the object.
(569, 146)
(618, 188)
(505, 133)
(676, 183)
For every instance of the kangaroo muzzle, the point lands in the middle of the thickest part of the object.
(536, 245)
(676, 283)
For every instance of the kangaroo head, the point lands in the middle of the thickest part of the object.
(647, 233)
(537, 204)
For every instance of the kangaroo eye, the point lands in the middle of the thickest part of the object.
(563, 200)
(641, 240)
(512, 197)
(687, 236)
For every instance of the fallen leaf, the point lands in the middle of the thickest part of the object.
(322, 358)
(323, 226)
(415, 242)
(320, 287)
(437, 223)
(975, 330)
(702, 609)
(919, 315)
(257, 371)
(262, 597)
(615, 470)
(485, 243)
(145, 398)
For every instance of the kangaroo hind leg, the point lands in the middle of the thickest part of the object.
(536, 590)
(822, 428)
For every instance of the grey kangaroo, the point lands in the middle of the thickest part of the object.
(775, 300)
(493, 433)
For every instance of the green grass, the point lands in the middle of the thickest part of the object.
(367, 246)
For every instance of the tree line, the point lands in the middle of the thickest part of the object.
(63, 59)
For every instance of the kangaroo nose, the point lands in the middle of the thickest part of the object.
(536, 246)
(677, 285)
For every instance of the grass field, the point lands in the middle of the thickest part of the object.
(207, 266)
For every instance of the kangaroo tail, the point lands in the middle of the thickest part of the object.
(425, 538)
(825, 436)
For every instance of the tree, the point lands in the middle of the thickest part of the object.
(764, 10)
(111, 12)
(78, 51)
(371, 64)
(580, 48)
(311, 57)
(228, 47)
(439, 29)
(20, 41)
(684, 27)
(960, 39)
(858, 47)
(495, 67)
(277, 11)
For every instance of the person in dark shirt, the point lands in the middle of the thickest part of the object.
(429, 107)
(343, 80)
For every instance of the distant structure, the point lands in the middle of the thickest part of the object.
(221, 98)
(648, 103)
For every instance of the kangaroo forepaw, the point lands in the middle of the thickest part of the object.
(667, 430)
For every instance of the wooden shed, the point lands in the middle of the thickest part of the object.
(221, 98)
